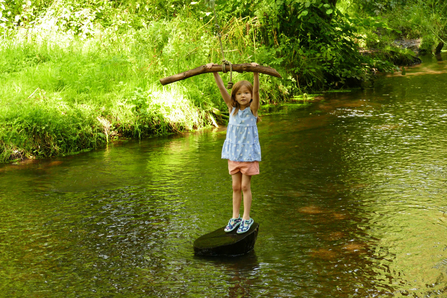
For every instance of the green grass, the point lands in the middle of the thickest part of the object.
(61, 94)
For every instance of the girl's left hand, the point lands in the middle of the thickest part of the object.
(254, 64)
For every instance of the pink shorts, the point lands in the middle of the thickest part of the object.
(248, 168)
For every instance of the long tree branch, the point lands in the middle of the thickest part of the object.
(245, 67)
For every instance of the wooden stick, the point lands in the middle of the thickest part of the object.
(245, 67)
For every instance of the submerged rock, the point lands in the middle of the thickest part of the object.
(220, 243)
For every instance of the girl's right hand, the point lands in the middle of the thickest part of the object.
(209, 65)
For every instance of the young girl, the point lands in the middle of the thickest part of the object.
(241, 146)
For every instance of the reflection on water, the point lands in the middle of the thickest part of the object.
(351, 202)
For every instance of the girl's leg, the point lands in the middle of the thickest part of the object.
(237, 195)
(246, 189)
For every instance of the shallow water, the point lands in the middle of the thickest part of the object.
(350, 201)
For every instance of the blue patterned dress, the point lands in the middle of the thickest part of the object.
(242, 142)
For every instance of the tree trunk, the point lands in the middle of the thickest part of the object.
(439, 48)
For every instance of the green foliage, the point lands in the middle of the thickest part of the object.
(84, 17)
(378, 7)
(405, 20)
(428, 43)
(313, 41)
(37, 129)
(432, 22)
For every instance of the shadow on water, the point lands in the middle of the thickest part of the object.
(351, 202)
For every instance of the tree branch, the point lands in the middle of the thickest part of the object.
(245, 67)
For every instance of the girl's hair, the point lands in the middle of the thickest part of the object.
(235, 89)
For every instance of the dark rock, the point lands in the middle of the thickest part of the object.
(220, 243)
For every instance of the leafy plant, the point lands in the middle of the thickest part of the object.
(313, 41)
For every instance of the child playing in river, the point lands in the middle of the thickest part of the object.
(241, 146)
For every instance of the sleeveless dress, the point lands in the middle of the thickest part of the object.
(242, 141)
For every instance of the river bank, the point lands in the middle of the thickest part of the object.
(63, 94)
(65, 99)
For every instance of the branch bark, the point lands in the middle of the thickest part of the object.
(245, 67)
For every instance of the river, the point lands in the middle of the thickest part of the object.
(351, 202)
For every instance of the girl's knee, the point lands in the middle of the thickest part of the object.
(245, 187)
(237, 187)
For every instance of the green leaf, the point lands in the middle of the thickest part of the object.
(329, 11)
(303, 14)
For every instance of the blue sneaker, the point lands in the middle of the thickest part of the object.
(245, 226)
(233, 224)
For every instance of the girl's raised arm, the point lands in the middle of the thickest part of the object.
(255, 104)
(226, 97)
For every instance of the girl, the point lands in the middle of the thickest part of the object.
(241, 146)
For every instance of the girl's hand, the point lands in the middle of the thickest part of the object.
(209, 65)
(254, 64)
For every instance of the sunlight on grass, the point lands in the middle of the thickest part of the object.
(176, 108)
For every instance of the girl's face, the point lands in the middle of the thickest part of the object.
(243, 97)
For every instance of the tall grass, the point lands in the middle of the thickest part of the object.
(62, 94)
